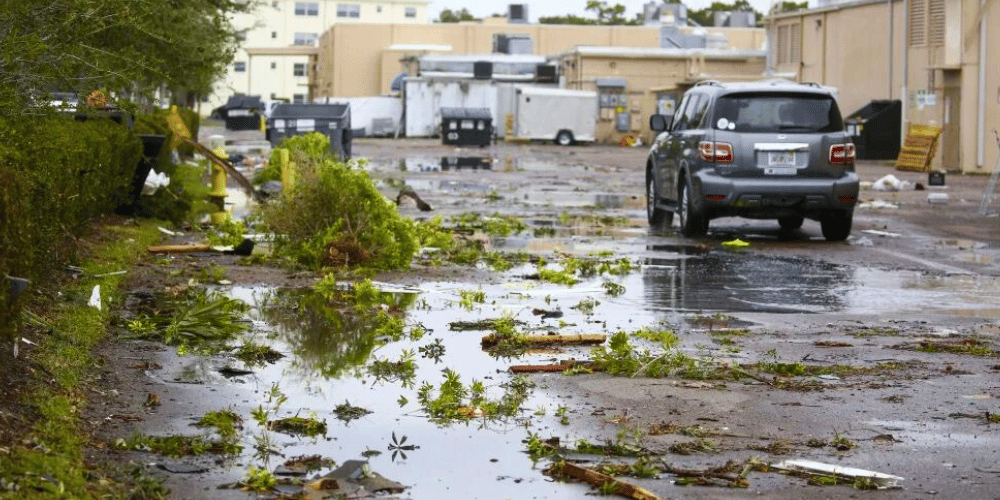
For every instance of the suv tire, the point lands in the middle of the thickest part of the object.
(790, 223)
(837, 226)
(693, 222)
(657, 217)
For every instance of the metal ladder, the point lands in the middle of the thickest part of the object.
(991, 187)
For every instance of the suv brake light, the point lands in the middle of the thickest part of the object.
(842, 153)
(721, 152)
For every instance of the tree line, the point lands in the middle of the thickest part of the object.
(123, 47)
(605, 14)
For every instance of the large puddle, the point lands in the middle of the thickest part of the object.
(330, 352)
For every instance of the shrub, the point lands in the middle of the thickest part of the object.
(334, 216)
(56, 175)
(313, 144)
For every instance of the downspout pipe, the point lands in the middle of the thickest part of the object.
(904, 95)
(981, 102)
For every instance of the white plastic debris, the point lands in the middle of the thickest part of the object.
(891, 183)
(882, 481)
(154, 181)
(941, 198)
(95, 297)
(878, 204)
(885, 234)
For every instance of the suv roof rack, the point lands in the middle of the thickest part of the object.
(812, 84)
(708, 82)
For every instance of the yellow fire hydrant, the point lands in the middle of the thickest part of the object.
(218, 189)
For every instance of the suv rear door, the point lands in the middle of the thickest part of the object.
(779, 133)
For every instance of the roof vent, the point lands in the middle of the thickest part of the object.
(517, 13)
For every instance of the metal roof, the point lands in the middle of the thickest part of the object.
(664, 53)
(474, 113)
(292, 110)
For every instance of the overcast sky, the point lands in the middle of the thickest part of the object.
(543, 8)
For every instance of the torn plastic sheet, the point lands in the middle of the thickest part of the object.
(882, 481)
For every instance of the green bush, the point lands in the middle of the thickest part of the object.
(56, 175)
(313, 144)
(334, 216)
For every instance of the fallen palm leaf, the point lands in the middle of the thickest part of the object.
(604, 481)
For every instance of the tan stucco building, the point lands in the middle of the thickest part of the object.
(940, 57)
(634, 83)
(356, 60)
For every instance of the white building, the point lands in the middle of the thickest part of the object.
(281, 36)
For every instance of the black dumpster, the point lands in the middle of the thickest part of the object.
(331, 120)
(241, 112)
(875, 129)
(466, 126)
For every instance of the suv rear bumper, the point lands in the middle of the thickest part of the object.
(774, 197)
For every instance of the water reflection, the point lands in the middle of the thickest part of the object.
(331, 338)
(692, 279)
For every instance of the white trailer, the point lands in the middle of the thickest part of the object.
(552, 114)
(425, 97)
(376, 116)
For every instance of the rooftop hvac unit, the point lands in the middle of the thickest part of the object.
(482, 70)
(517, 13)
(546, 73)
(504, 43)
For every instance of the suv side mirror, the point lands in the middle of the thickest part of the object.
(659, 123)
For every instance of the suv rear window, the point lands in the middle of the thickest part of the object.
(778, 112)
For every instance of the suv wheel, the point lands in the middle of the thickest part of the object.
(656, 216)
(790, 223)
(692, 221)
(837, 226)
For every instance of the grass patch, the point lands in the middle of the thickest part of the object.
(300, 426)
(967, 346)
(181, 446)
(48, 459)
(454, 401)
(256, 354)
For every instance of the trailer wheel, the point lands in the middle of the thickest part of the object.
(564, 138)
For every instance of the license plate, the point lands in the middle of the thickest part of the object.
(779, 171)
(781, 158)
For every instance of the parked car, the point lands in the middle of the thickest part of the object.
(764, 150)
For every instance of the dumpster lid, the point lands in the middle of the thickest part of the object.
(302, 110)
(243, 101)
(474, 113)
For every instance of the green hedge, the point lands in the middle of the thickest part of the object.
(56, 174)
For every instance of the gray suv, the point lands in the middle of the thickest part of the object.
(763, 150)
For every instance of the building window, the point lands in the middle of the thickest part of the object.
(241, 36)
(298, 98)
(411, 12)
(274, 34)
(378, 9)
(299, 69)
(274, 4)
(306, 9)
(274, 65)
(306, 39)
(239, 66)
(348, 10)
(789, 46)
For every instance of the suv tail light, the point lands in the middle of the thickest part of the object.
(721, 152)
(842, 153)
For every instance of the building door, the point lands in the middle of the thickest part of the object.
(951, 142)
